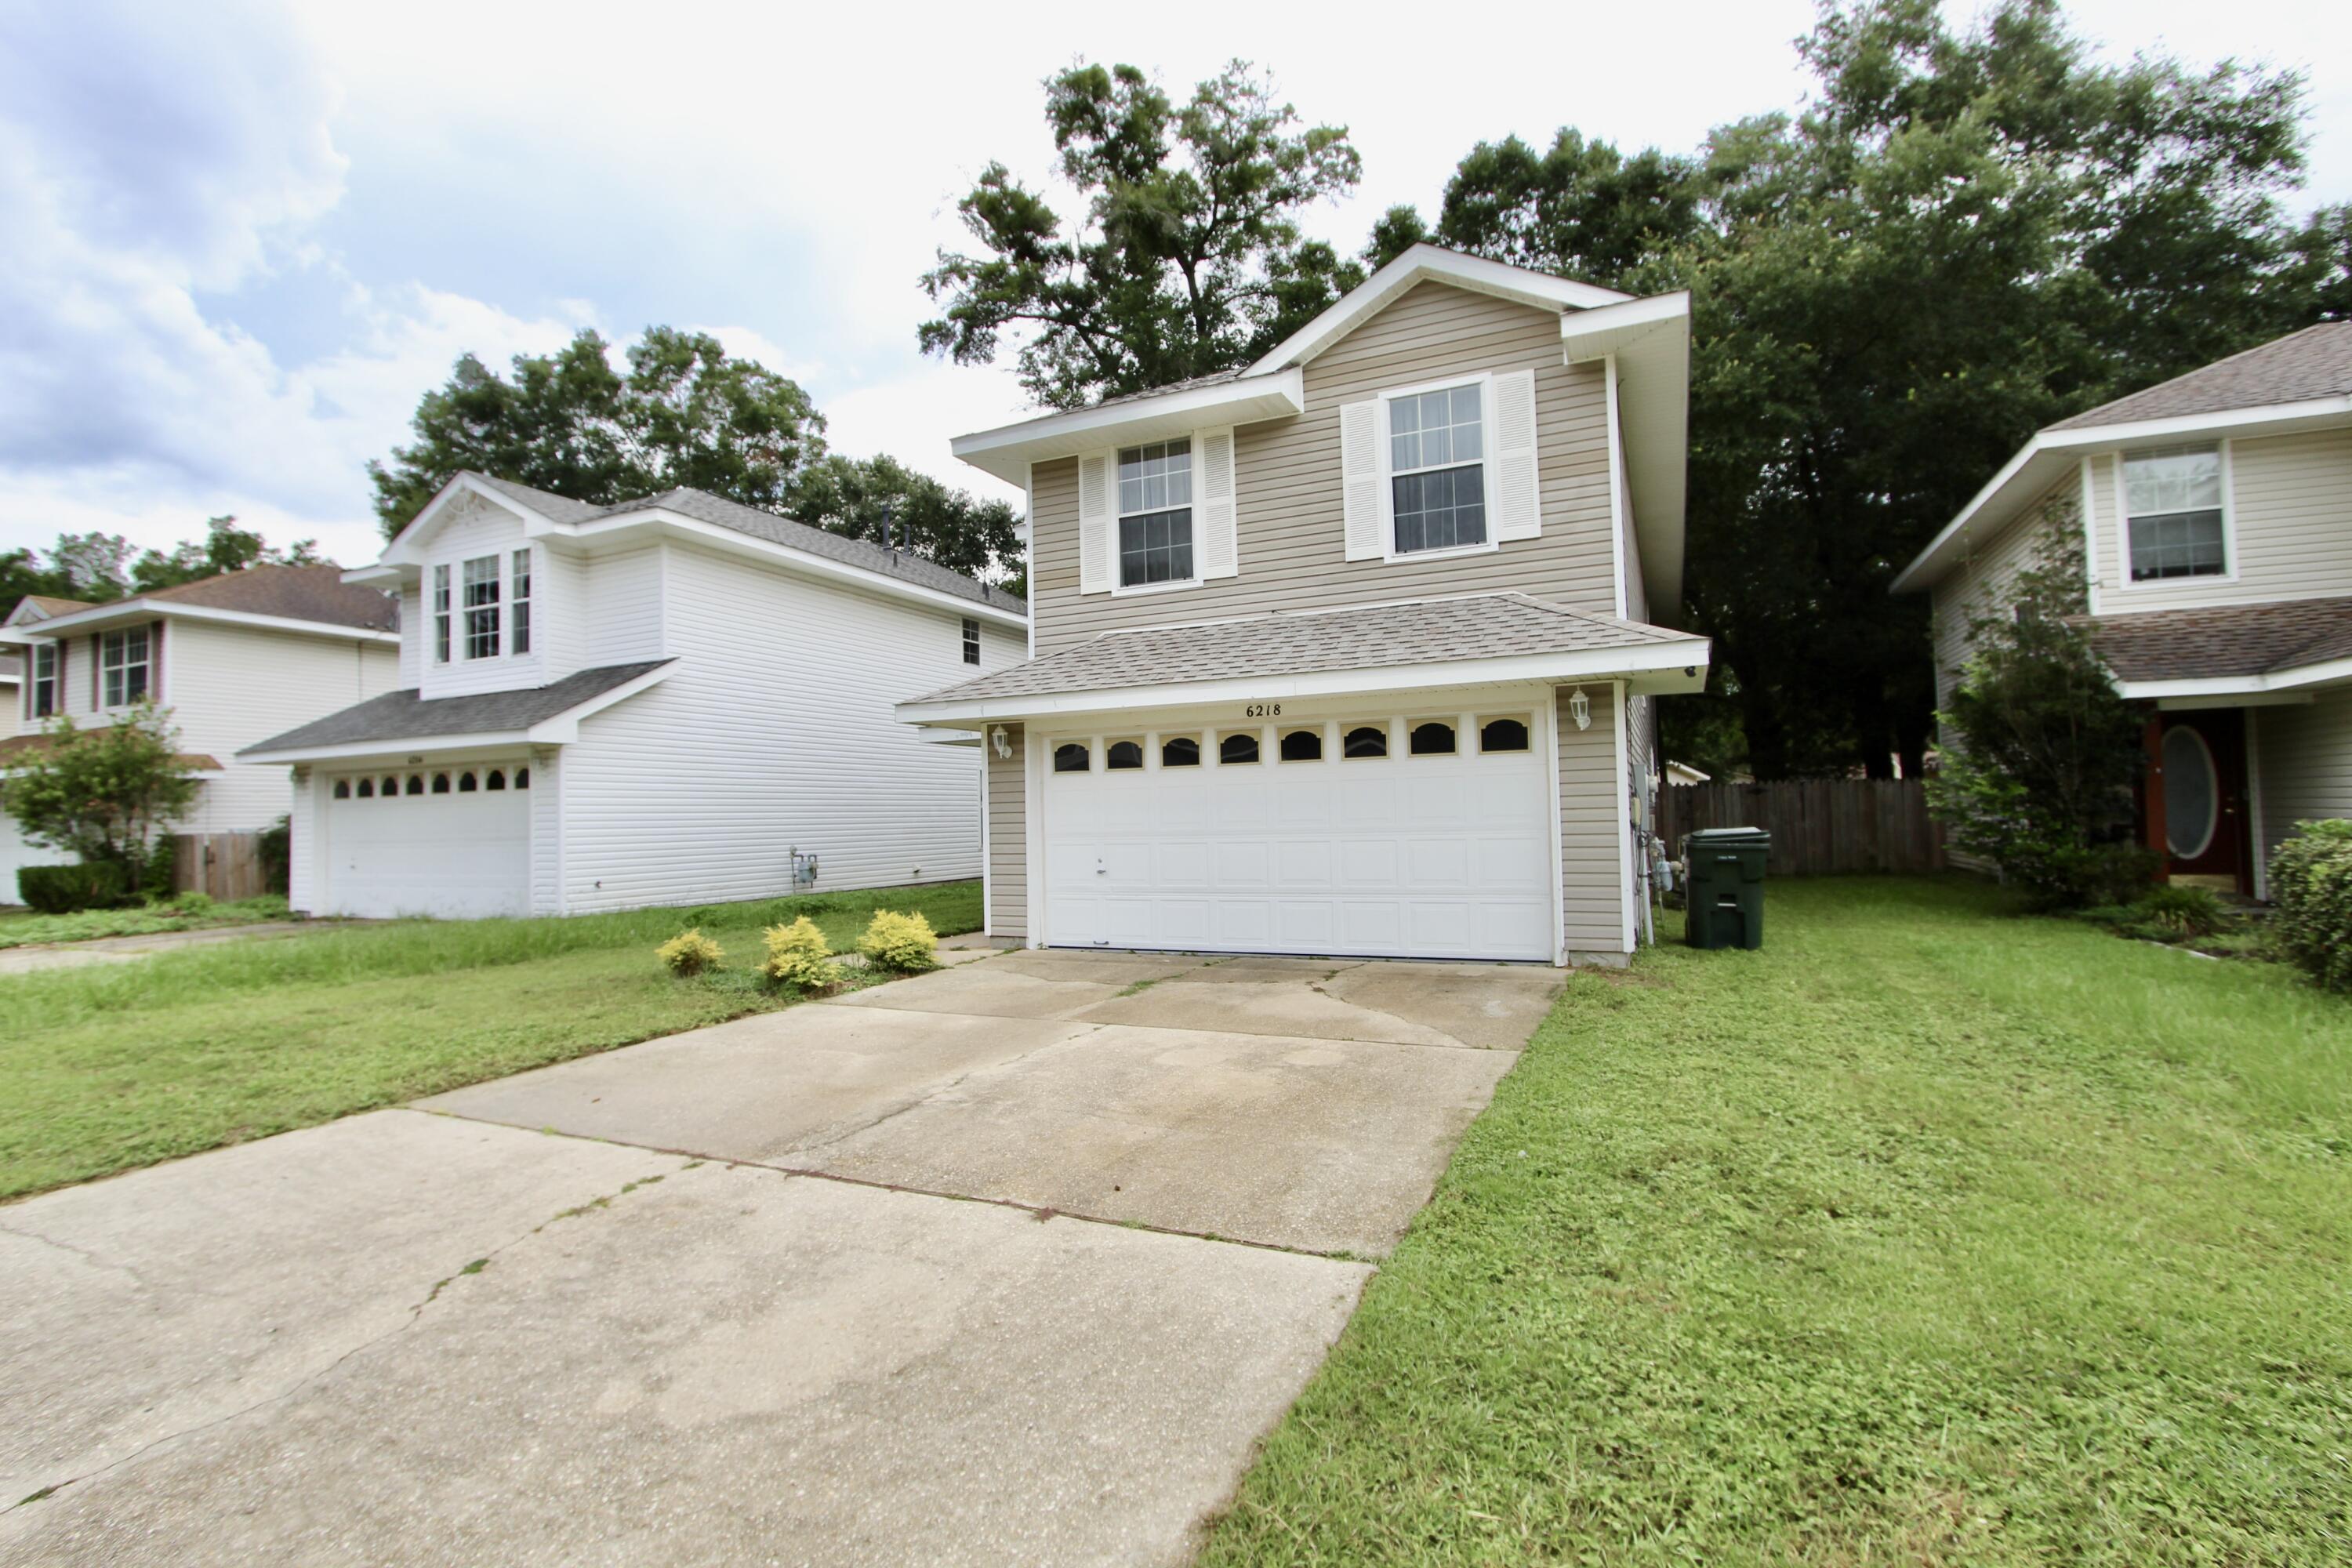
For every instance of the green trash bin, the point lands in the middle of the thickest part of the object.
(1723, 903)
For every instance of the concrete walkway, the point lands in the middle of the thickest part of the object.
(929, 1274)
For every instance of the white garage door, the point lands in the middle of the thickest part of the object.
(439, 841)
(1351, 844)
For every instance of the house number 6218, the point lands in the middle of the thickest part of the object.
(1263, 710)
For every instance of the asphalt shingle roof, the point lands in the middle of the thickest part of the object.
(2314, 363)
(406, 716)
(1432, 631)
(297, 592)
(2224, 642)
(718, 510)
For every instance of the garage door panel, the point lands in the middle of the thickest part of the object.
(1437, 856)
(462, 855)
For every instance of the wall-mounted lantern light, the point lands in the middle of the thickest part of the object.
(1001, 740)
(1579, 707)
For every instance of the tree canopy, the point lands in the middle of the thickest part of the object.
(848, 495)
(1189, 258)
(100, 567)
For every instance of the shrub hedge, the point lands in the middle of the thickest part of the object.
(904, 944)
(2311, 884)
(69, 890)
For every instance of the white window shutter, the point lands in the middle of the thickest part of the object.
(1220, 555)
(1095, 523)
(1362, 432)
(1518, 503)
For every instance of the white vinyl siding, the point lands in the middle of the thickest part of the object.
(473, 531)
(2304, 755)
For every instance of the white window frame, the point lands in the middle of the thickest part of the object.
(44, 653)
(1485, 382)
(2125, 581)
(519, 585)
(115, 664)
(970, 639)
(1192, 440)
(465, 632)
(443, 642)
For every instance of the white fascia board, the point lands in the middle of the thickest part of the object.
(2299, 678)
(2040, 462)
(131, 610)
(405, 745)
(564, 727)
(1501, 280)
(1650, 340)
(404, 547)
(1680, 666)
(1009, 450)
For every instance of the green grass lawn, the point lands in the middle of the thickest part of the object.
(1931, 1234)
(23, 928)
(111, 1066)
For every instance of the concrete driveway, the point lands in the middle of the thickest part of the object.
(727, 1296)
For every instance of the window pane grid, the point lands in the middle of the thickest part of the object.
(1436, 429)
(481, 588)
(519, 593)
(1440, 510)
(1155, 505)
(1436, 459)
(2173, 502)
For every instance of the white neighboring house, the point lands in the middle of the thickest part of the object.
(232, 657)
(672, 700)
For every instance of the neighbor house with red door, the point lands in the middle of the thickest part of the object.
(2214, 517)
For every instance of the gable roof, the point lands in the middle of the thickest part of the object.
(2314, 362)
(34, 607)
(2223, 642)
(701, 506)
(406, 715)
(317, 594)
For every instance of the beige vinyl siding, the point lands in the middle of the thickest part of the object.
(1292, 551)
(1980, 583)
(2291, 527)
(1592, 876)
(1008, 838)
(2304, 755)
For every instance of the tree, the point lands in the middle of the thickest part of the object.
(1189, 259)
(95, 566)
(225, 548)
(2040, 754)
(685, 413)
(848, 495)
(104, 793)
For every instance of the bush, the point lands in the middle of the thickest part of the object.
(800, 957)
(68, 889)
(690, 952)
(275, 849)
(903, 944)
(2184, 913)
(2311, 883)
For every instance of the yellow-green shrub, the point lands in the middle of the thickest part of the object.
(899, 943)
(799, 955)
(690, 952)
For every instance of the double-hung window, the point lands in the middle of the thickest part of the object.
(2173, 503)
(970, 640)
(482, 584)
(519, 602)
(123, 666)
(45, 680)
(1437, 469)
(1155, 514)
(440, 615)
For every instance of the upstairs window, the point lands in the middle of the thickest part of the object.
(519, 601)
(482, 607)
(1437, 469)
(440, 615)
(2172, 501)
(1155, 514)
(970, 640)
(45, 680)
(123, 658)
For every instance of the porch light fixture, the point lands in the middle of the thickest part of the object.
(1579, 707)
(1001, 740)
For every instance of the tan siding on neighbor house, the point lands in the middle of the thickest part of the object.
(2304, 757)
(1292, 551)
(1590, 795)
(1978, 586)
(1008, 838)
(2291, 524)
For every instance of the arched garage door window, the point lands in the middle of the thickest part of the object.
(2192, 794)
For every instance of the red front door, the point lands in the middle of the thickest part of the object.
(2205, 824)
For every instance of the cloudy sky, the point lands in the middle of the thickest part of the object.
(238, 240)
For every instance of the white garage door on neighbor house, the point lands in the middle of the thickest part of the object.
(453, 840)
(1421, 835)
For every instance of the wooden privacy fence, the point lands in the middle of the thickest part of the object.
(227, 866)
(1820, 827)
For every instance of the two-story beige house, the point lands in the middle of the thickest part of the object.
(1351, 651)
(2214, 520)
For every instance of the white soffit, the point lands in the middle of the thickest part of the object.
(1651, 340)
(1008, 451)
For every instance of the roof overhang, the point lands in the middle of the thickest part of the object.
(1008, 450)
(556, 730)
(1650, 342)
(131, 610)
(1423, 262)
(1657, 668)
(403, 563)
(2045, 461)
(2270, 689)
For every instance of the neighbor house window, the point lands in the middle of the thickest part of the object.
(123, 657)
(970, 640)
(440, 615)
(482, 607)
(45, 680)
(1155, 514)
(2173, 501)
(1437, 469)
(519, 599)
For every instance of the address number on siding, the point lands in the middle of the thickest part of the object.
(1262, 710)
